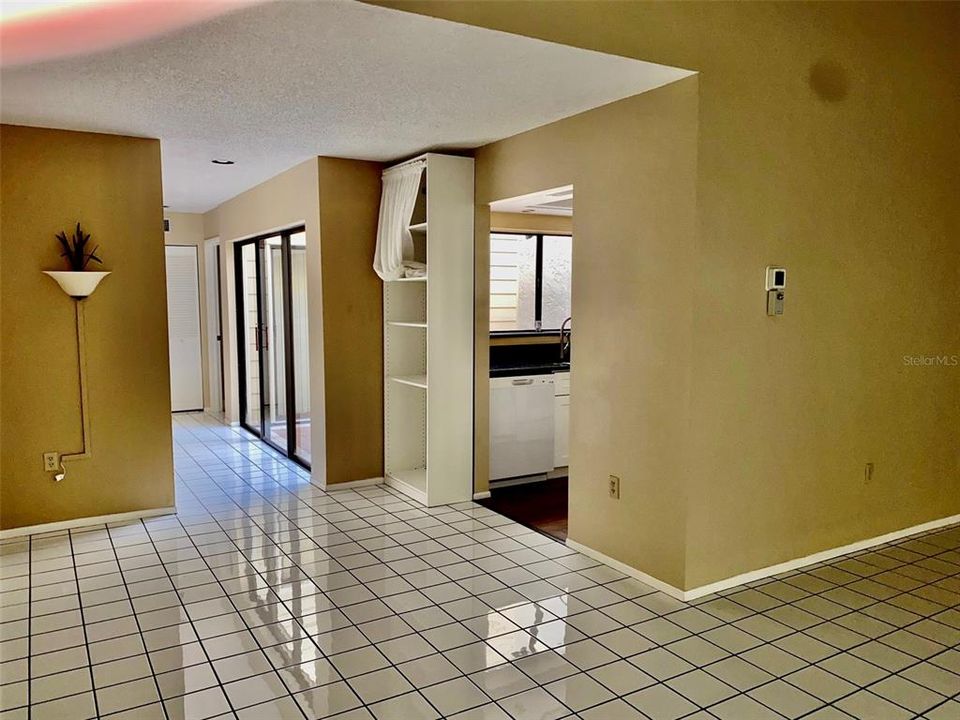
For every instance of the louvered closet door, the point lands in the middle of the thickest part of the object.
(183, 323)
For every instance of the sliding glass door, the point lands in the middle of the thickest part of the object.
(300, 344)
(273, 341)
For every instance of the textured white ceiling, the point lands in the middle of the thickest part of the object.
(272, 85)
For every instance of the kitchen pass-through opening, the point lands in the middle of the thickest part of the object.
(531, 263)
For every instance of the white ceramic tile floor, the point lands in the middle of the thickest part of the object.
(266, 597)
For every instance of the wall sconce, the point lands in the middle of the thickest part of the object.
(79, 284)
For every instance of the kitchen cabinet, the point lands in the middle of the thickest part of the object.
(561, 420)
(561, 431)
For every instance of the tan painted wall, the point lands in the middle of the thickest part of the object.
(827, 142)
(49, 179)
(629, 395)
(287, 200)
(187, 229)
(529, 222)
(352, 319)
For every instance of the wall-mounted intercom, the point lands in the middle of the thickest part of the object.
(776, 281)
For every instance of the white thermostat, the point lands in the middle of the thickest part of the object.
(776, 278)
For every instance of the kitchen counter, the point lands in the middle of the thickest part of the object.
(533, 359)
(514, 370)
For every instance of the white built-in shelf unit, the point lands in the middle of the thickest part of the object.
(428, 344)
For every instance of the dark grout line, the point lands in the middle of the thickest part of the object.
(83, 624)
(30, 625)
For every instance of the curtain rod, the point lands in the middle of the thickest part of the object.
(416, 161)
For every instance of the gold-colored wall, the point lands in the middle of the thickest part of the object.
(827, 143)
(50, 179)
(352, 319)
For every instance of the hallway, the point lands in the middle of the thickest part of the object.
(266, 597)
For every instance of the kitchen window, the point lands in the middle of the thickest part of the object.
(529, 281)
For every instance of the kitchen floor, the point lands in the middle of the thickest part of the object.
(541, 506)
(267, 597)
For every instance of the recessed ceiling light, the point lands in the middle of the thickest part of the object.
(222, 162)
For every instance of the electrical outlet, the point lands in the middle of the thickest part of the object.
(613, 487)
(51, 462)
(868, 472)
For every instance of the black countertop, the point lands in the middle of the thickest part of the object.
(516, 370)
(523, 359)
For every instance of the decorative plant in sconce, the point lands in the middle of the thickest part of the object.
(78, 282)
(74, 249)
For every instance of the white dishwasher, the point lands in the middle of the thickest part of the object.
(521, 426)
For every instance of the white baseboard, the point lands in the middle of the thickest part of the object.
(84, 522)
(481, 495)
(765, 572)
(819, 557)
(400, 486)
(627, 570)
(353, 484)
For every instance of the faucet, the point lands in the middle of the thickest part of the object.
(565, 344)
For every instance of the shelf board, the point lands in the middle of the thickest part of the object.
(419, 381)
(413, 279)
(418, 227)
(409, 482)
(407, 324)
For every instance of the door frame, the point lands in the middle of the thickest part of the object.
(214, 330)
(286, 290)
(241, 308)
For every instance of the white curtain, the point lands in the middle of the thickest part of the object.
(394, 242)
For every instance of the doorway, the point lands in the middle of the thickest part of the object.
(531, 260)
(183, 327)
(273, 341)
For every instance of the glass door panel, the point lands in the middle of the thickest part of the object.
(273, 348)
(249, 337)
(300, 345)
